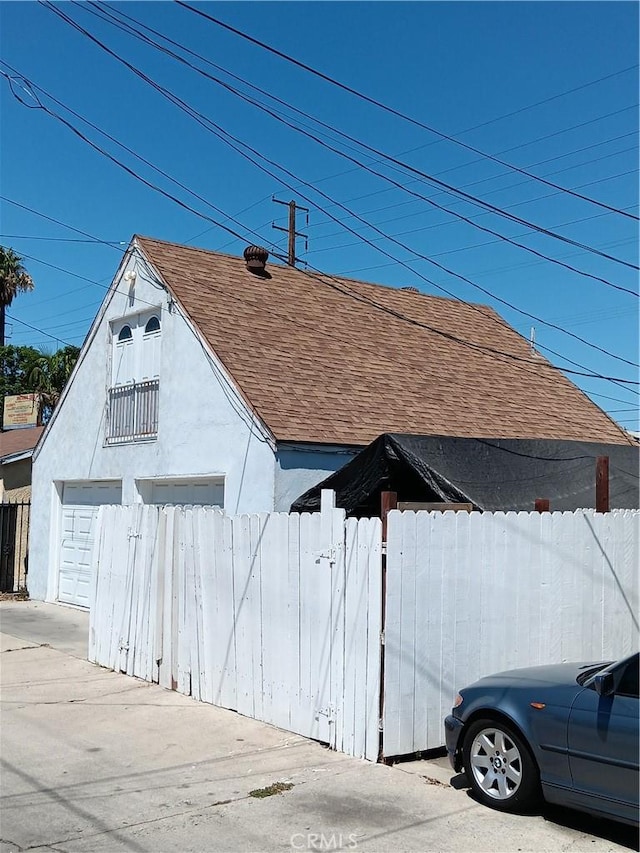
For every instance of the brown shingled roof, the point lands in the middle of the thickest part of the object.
(323, 359)
(19, 440)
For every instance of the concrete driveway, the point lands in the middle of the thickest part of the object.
(94, 761)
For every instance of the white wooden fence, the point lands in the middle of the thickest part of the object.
(279, 616)
(472, 594)
(276, 616)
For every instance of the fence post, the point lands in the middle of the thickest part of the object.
(388, 501)
(602, 484)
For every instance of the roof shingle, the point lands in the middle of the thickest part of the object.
(19, 440)
(332, 360)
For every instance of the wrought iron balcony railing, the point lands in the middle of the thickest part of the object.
(132, 413)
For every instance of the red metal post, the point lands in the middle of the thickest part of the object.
(602, 484)
(388, 501)
(542, 505)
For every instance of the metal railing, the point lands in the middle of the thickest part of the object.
(14, 545)
(132, 412)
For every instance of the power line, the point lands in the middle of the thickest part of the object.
(388, 109)
(461, 341)
(41, 331)
(61, 239)
(110, 17)
(133, 174)
(546, 136)
(279, 118)
(441, 224)
(496, 354)
(111, 13)
(220, 131)
(491, 192)
(51, 218)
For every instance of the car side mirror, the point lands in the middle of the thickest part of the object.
(604, 684)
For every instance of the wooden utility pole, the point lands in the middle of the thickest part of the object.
(291, 230)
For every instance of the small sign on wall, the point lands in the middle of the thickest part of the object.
(21, 410)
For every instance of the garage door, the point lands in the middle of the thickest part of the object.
(194, 492)
(80, 504)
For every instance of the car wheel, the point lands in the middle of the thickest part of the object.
(499, 766)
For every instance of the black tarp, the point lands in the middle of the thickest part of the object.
(492, 474)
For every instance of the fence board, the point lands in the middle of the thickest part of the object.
(471, 594)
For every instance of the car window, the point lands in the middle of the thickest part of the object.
(628, 684)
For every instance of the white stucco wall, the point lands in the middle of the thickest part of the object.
(299, 467)
(205, 429)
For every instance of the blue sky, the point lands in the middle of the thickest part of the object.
(453, 66)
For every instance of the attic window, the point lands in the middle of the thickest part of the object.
(125, 334)
(153, 325)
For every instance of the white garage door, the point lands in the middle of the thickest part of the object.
(191, 492)
(80, 504)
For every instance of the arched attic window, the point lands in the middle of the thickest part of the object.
(125, 334)
(152, 326)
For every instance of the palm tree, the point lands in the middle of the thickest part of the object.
(14, 279)
(50, 374)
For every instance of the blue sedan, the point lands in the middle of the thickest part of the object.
(567, 731)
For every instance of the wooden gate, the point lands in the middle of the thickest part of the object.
(276, 616)
(14, 540)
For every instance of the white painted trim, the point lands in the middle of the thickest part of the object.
(16, 457)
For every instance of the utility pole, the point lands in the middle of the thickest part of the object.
(291, 230)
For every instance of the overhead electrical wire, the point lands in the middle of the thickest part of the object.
(415, 272)
(36, 329)
(360, 164)
(96, 8)
(436, 331)
(39, 105)
(490, 192)
(504, 151)
(200, 117)
(61, 239)
(388, 109)
(440, 224)
(219, 130)
(295, 321)
(56, 221)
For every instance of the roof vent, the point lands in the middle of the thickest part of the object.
(412, 289)
(256, 259)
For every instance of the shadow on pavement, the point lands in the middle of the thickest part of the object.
(608, 830)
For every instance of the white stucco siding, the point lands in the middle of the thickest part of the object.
(300, 467)
(205, 430)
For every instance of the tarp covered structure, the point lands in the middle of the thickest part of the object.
(491, 474)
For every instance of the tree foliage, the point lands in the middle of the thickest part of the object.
(27, 370)
(13, 276)
(13, 279)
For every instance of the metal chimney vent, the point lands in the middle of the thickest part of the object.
(256, 259)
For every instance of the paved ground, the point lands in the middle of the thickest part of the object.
(94, 761)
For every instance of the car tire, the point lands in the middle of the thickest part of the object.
(500, 767)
